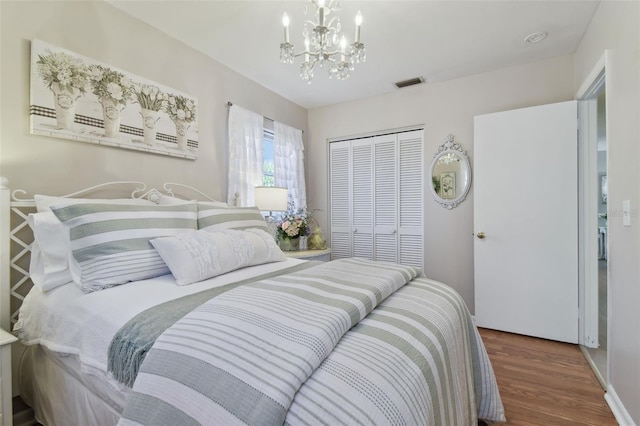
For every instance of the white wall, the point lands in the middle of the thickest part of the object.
(443, 108)
(615, 27)
(99, 31)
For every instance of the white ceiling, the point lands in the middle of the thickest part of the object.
(436, 40)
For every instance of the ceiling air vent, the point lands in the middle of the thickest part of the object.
(410, 82)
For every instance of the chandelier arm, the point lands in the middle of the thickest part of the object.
(337, 52)
(329, 25)
(314, 55)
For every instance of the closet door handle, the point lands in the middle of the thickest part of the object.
(355, 230)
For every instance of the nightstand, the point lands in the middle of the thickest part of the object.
(321, 255)
(6, 411)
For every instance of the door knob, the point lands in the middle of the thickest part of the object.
(480, 235)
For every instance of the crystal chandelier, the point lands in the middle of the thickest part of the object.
(323, 43)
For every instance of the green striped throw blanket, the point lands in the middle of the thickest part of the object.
(242, 357)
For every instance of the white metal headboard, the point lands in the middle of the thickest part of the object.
(16, 237)
(16, 240)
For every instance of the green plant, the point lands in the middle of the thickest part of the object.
(436, 184)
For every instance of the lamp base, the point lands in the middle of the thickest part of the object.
(272, 225)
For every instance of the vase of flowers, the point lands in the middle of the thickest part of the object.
(67, 78)
(114, 90)
(291, 228)
(289, 244)
(151, 100)
(182, 112)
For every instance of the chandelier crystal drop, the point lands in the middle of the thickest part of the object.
(323, 43)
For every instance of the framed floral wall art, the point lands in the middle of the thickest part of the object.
(74, 97)
(448, 185)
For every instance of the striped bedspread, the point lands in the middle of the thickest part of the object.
(312, 348)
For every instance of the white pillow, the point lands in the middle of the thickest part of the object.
(200, 255)
(44, 202)
(110, 242)
(49, 267)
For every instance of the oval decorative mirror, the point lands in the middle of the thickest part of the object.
(450, 174)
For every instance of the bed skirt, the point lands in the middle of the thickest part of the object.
(78, 399)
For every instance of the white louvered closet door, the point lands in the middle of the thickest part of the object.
(340, 176)
(377, 198)
(386, 194)
(362, 198)
(411, 198)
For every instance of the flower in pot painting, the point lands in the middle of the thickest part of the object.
(68, 78)
(78, 98)
(182, 111)
(114, 91)
(151, 100)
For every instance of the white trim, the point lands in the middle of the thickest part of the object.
(617, 408)
(588, 222)
(594, 80)
(593, 366)
(588, 187)
(377, 133)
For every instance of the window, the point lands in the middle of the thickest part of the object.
(268, 163)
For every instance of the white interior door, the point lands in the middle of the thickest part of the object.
(525, 204)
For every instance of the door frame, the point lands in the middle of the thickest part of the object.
(588, 193)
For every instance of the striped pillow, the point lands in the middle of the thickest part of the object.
(217, 218)
(110, 243)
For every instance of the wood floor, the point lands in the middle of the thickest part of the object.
(544, 382)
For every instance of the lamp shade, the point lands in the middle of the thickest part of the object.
(271, 198)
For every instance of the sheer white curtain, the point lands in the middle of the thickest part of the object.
(245, 155)
(289, 162)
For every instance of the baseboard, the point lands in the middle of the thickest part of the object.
(593, 366)
(619, 411)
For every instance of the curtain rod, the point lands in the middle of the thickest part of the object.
(229, 103)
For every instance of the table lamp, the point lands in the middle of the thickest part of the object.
(271, 199)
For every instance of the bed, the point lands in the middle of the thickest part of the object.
(173, 311)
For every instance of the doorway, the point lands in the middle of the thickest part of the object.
(593, 217)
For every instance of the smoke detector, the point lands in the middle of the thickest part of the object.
(535, 37)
